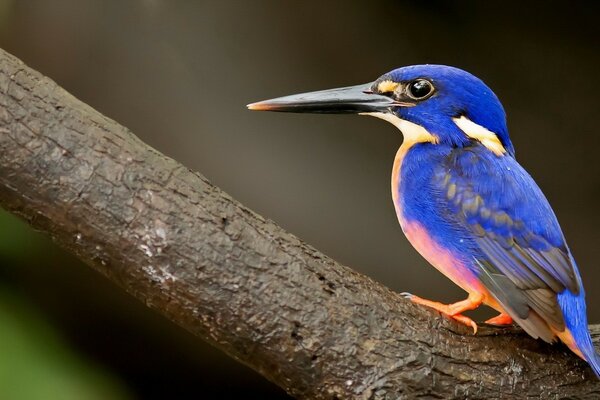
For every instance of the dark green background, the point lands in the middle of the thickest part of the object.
(178, 73)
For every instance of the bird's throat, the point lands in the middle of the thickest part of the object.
(412, 133)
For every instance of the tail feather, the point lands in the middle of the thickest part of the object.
(577, 335)
(595, 363)
(590, 355)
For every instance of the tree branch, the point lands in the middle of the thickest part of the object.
(185, 248)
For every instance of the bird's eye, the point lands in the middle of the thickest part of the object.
(419, 89)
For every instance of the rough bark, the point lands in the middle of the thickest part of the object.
(185, 248)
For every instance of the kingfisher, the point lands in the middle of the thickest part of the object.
(465, 203)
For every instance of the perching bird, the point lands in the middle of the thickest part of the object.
(465, 203)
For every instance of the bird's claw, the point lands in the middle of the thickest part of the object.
(452, 311)
(465, 321)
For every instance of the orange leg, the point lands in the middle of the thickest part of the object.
(453, 310)
(500, 319)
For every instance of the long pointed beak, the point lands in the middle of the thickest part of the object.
(348, 100)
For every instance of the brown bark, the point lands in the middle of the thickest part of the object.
(183, 247)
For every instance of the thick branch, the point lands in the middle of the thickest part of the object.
(185, 248)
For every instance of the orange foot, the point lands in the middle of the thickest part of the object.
(453, 310)
(500, 319)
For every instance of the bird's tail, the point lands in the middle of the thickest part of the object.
(595, 363)
(590, 355)
(577, 336)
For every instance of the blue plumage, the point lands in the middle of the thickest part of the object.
(573, 308)
(454, 195)
(465, 203)
(469, 96)
(488, 212)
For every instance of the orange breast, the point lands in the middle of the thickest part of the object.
(442, 259)
(435, 253)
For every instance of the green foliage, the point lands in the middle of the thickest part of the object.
(35, 363)
(17, 240)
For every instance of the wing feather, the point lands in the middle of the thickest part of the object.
(520, 250)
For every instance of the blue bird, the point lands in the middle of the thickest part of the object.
(465, 203)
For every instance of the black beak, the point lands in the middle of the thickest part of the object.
(348, 100)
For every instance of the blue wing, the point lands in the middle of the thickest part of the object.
(519, 249)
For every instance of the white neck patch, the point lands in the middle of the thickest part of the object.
(487, 138)
(412, 132)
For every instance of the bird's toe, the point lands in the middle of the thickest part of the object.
(465, 321)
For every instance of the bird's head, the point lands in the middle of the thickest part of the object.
(428, 103)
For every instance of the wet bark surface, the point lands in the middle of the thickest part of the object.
(173, 240)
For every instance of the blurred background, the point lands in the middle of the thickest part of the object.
(178, 73)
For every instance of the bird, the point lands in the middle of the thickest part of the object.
(465, 203)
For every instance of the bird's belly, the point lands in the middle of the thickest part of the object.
(443, 259)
